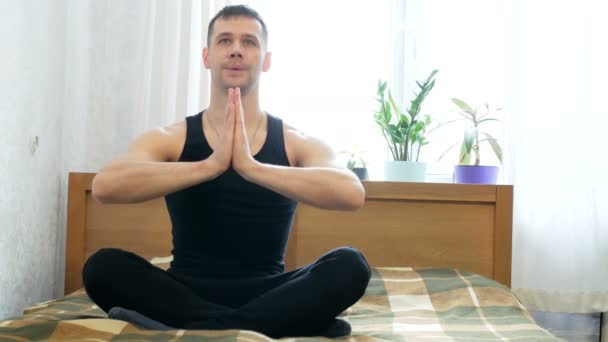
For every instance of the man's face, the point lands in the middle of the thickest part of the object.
(236, 54)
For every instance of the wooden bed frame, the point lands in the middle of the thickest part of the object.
(401, 224)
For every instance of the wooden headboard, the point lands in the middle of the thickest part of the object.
(401, 224)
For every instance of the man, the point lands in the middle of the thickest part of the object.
(231, 176)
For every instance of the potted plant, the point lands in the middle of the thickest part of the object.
(356, 163)
(404, 130)
(469, 168)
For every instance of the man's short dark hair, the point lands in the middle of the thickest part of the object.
(237, 11)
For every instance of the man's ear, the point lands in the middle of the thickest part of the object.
(267, 61)
(205, 57)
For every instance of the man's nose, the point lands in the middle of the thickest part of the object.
(236, 50)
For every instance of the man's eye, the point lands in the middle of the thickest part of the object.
(224, 41)
(250, 42)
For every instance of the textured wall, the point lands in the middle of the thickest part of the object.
(31, 100)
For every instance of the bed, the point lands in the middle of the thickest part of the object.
(440, 253)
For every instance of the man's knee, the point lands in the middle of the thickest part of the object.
(100, 264)
(352, 261)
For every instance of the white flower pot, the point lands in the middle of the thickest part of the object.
(404, 171)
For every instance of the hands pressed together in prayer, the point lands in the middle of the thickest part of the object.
(233, 148)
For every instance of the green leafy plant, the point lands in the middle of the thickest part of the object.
(473, 133)
(354, 158)
(403, 128)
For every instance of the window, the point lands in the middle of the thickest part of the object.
(329, 55)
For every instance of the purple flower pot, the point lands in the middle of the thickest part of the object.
(475, 174)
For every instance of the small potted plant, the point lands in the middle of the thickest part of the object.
(404, 130)
(469, 168)
(356, 163)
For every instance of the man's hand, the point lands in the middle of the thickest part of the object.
(222, 155)
(242, 159)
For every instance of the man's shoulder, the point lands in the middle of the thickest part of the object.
(294, 137)
(290, 131)
(167, 141)
(303, 147)
(174, 129)
(298, 136)
(176, 136)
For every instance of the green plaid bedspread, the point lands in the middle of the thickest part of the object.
(400, 304)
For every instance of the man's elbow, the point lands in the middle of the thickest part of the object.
(105, 192)
(99, 190)
(355, 199)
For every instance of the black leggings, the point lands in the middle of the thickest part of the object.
(296, 303)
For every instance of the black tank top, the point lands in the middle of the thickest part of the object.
(229, 226)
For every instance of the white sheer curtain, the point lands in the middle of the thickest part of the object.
(130, 66)
(557, 153)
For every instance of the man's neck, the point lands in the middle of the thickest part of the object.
(251, 106)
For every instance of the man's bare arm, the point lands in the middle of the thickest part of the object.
(146, 172)
(132, 181)
(322, 187)
(317, 181)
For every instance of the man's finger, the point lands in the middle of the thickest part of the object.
(232, 112)
(232, 116)
(237, 97)
(233, 96)
(239, 106)
(234, 103)
(228, 108)
(238, 109)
